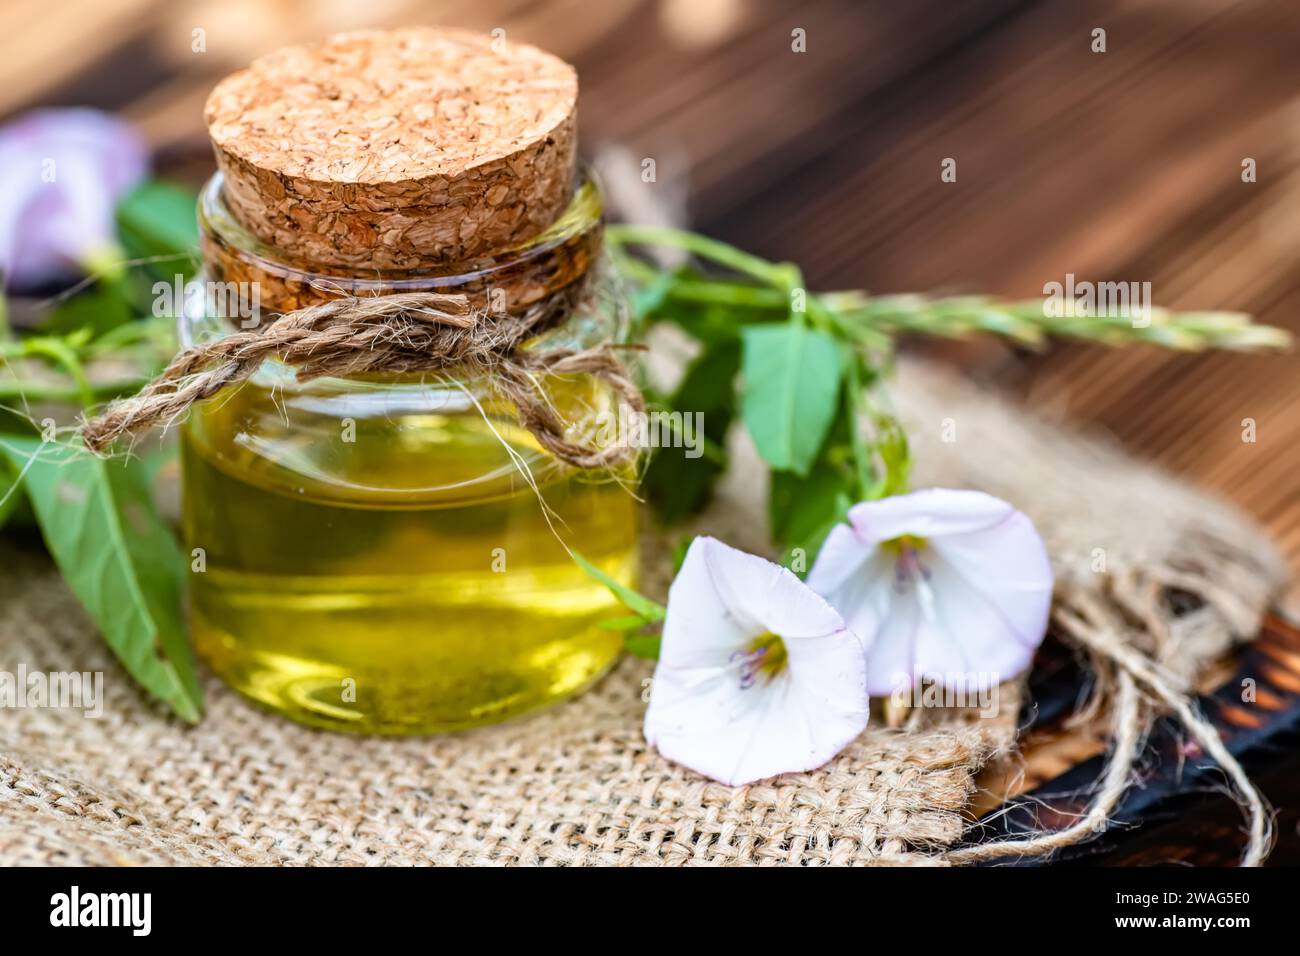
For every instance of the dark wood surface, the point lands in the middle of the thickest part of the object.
(1179, 809)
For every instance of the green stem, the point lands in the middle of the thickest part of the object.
(718, 252)
(633, 268)
(58, 351)
(896, 455)
(156, 332)
(727, 293)
(856, 408)
(1025, 322)
(41, 392)
(793, 279)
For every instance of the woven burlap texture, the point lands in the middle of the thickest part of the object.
(577, 784)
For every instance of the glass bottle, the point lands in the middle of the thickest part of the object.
(388, 553)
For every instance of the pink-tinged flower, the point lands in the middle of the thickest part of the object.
(757, 675)
(62, 172)
(938, 583)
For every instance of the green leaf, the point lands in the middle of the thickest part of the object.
(707, 308)
(803, 510)
(160, 219)
(678, 486)
(642, 645)
(710, 382)
(792, 379)
(806, 514)
(118, 557)
(631, 623)
(714, 311)
(648, 299)
(680, 548)
(10, 493)
(639, 603)
(637, 641)
(99, 308)
(14, 508)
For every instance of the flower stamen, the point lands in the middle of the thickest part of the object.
(764, 655)
(909, 568)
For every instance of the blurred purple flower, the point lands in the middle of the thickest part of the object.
(62, 172)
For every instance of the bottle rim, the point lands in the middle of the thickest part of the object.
(581, 223)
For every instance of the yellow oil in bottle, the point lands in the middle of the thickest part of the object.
(369, 559)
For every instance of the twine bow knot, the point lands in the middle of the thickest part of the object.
(403, 332)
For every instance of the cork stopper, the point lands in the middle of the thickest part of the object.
(400, 149)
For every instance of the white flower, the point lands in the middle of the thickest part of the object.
(938, 583)
(757, 675)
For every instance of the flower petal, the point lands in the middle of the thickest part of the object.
(931, 513)
(972, 635)
(972, 601)
(723, 597)
(701, 628)
(840, 559)
(702, 714)
(1007, 564)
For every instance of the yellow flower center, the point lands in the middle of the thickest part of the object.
(904, 543)
(765, 656)
(909, 568)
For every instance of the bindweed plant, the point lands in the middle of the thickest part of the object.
(807, 375)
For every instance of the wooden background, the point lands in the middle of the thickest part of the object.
(1123, 165)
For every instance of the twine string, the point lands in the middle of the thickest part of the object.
(1127, 728)
(399, 333)
(1142, 691)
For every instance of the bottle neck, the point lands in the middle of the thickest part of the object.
(508, 281)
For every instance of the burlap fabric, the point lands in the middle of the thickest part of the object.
(577, 784)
